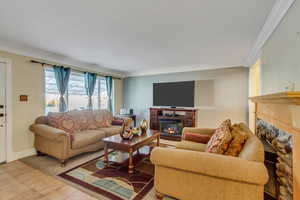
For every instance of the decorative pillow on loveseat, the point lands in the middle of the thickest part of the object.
(63, 121)
(220, 140)
(85, 119)
(239, 139)
(103, 118)
(196, 137)
(117, 122)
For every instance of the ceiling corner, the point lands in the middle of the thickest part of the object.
(277, 13)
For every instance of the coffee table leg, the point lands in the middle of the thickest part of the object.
(157, 141)
(106, 155)
(130, 165)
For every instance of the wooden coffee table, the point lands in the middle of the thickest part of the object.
(115, 142)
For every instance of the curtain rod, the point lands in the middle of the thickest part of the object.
(77, 70)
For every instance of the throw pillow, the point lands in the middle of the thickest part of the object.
(103, 118)
(117, 122)
(196, 137)
(85, 119)
(63, 121)
(239, 139)
(220, 140)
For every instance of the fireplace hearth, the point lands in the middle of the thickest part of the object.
(278, 160)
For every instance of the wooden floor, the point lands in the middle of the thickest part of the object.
(19, 181)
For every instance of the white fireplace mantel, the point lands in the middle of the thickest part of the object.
(280, 109)
(291, 98)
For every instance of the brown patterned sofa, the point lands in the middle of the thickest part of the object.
(188, 172)
(64, 135)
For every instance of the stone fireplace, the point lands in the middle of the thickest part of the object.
(277, 118)
(278, 160)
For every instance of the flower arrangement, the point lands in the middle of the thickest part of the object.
(129, 133)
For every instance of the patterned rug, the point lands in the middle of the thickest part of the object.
(114, 182)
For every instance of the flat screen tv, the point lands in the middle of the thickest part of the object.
(174, 94)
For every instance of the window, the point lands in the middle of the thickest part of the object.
(103, 93)
(51, 92)
(76, 97)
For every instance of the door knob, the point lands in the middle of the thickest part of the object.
(1, 106)
(1, 115)
(1, 125)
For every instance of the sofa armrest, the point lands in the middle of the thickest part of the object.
(49, 132)
(204, 131)
(215, 165)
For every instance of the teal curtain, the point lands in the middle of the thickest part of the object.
(109, 92)
(89, 83)
(62, 76)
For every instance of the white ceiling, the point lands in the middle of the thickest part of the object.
(136, 36)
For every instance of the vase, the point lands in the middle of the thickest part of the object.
(144, 126)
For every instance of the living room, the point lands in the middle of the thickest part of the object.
(149, 100)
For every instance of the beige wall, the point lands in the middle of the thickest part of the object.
(280, 70)
(28, 79)
(220, 94)
(281, 55)
(222, 98)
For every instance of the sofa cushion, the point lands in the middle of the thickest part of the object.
(85, 119)
(220, 140)
(113, 130)
(238, 141)
(196, 137)
(188, 145)
(64, 121)
(87, 137)
(103, 118)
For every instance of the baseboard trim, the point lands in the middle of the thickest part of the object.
(25, 153)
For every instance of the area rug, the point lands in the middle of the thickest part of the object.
(114, 182)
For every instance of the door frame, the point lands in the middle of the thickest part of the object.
(8, 110)
(254, 90)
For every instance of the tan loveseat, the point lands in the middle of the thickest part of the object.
(189, 173)
(86, 133)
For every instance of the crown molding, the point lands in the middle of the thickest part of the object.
(29, 51)
(178, 69)
(277, 13)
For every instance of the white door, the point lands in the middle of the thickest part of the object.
(2, 113)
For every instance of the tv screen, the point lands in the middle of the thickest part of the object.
(177, 94)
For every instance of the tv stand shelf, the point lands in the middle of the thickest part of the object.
(188, 116)
(170, 117)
